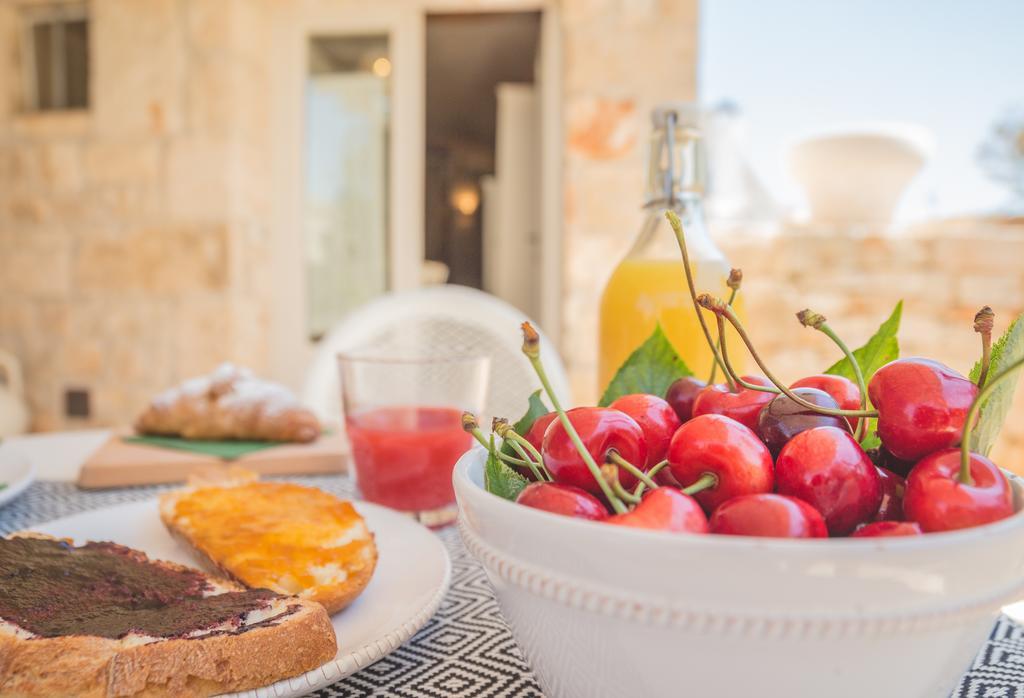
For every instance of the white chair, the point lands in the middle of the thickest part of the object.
(455, 317)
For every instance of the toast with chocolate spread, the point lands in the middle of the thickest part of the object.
(101, 619)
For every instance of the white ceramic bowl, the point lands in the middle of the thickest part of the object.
(607, 611)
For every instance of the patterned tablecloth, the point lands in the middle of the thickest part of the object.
(466, 650)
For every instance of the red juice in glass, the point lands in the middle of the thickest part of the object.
(404, 455)
(403, 415)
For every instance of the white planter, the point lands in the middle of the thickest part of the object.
(858, 176)
(608, 611)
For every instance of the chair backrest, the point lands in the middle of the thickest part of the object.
(456, 317)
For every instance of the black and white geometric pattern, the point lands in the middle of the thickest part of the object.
(998, 670)
(466, 649)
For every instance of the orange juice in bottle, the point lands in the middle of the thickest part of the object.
(649, 285)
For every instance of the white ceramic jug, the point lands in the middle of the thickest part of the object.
(13, 410)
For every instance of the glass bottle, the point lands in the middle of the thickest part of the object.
(649, 284)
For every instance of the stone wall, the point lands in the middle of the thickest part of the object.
(622, 57)
(943, 272)
(129, 233)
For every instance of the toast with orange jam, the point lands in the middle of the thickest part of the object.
(275, 535)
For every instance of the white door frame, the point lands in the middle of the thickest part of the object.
(291, 350)
(404, 21)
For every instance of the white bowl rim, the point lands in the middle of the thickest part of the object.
(574, 591)
(927, 541)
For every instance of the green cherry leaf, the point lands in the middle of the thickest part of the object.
(650, 369)
(882, 348)
(535, 409)
(870, 440)
(1005, 350)
(499, 478)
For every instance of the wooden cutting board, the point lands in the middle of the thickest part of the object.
(118, 464)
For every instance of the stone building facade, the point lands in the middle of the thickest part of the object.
(131, 237)
(134, 238)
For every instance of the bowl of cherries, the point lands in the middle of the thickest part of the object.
(841, 535)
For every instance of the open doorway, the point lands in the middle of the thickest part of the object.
(350, 177)
(483, 152)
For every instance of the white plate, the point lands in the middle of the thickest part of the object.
(15, 472)
(411, 578)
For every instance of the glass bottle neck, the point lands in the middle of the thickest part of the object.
(676, 167)
(657, 240)
(689, 202)
(676, 174)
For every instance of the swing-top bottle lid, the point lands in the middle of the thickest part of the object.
(677, 163)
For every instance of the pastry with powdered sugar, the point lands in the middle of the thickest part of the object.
(229, 404)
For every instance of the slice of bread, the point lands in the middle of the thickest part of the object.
(279, 638)
(275, 535)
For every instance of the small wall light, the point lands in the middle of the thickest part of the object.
(381, 67)
(465, 198)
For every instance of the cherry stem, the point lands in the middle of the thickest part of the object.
(531, 348)
(496, 452)
(972, 415)
(677, 228)
(721, 341)
(611, 474)
(518, 439)
(615, 458)
(505, 430)
(704, 482)
(717, 306)
(983, 321)
(818, 322)
(641, 486)
(469, 425)
(732, 371)
(521, 452)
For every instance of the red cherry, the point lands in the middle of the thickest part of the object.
(743, 405)
(936, 499)
(562, 499)
(843, 390)
(768, 515)
(681, 395)
(601, 429)
(723, 447)
(921, 406)
(883, 459)
(885, 529)
(665, 509)
(535, 434)
(891, 508)
(828, 469)
(782, 418)
(656, 418)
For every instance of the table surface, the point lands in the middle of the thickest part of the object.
(466, 650)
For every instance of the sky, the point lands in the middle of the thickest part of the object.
(798, 66)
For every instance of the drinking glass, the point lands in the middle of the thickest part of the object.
(404, 422)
